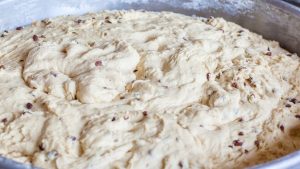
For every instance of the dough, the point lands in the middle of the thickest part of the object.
(133, 89)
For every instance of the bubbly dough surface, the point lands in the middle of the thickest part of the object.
(133, 89)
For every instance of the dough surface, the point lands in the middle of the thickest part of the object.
(133, 89)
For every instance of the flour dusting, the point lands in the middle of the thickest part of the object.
(233, 6)
(15, 13)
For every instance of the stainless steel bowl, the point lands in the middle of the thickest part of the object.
(274, 19)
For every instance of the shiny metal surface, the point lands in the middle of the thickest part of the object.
(274, 19)
(10, 164)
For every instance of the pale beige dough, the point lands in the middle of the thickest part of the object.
(132, 89)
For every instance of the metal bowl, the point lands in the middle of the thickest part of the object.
(274, 19)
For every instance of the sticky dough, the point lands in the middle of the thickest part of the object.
(70, 72)
(132, 89)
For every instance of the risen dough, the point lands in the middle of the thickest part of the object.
(131, 89)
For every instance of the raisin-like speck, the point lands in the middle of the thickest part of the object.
(92, 44)
(98, 63)
(240, 120)
(234, 85)
(145, 113)
(19, 28)
(268, 53)
(41, 147)
(35, 38)
(108, 21)
(237, 143)
(4, 120)
(250, 82)
(135, 70)
(208, 76)
(53, 74)
(29, 105)
(288, 105)
(113, 119)
(281, 128)
(73, 138)
(256, 142)
(246, 151)
(230, 146)
(240, 133)
(46, 22)
(297, 116)
(180, 164)
(293, 100)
